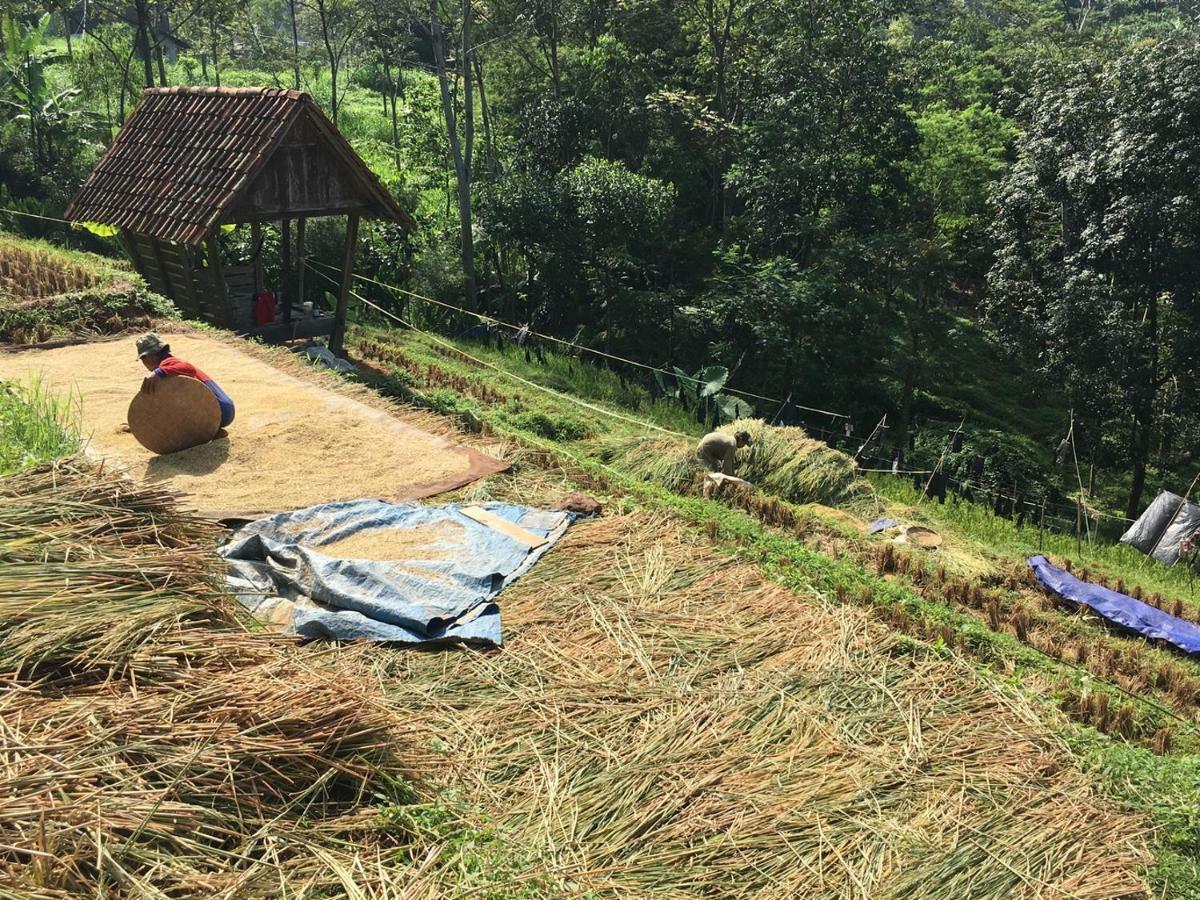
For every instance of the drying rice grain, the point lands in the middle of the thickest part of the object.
(292, 444)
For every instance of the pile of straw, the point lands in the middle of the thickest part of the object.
(664, 722)
(150, 745)
(783, 461)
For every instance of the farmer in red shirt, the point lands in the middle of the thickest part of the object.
(156, 356)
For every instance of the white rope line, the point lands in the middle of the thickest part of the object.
(482, 362)
(549, 337)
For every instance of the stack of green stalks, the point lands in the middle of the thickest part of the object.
(783, 461)
(663, 722)
(150, 746)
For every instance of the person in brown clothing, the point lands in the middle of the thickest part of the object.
(717, 450)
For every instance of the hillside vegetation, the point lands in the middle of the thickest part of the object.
(942, 212)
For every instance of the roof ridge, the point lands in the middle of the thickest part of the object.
(263, 91)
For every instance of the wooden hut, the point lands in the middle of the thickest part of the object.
(193, 159)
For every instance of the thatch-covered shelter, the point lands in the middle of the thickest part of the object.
(193, 159)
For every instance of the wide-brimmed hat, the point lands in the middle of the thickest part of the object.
(150, 343)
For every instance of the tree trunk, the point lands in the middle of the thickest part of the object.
(162, 66)
(333, 59)
(295, 43)
(394, 87)
(212, 38)
(489, 145)
(1141, 452)
(67, 29)
(460, 150)
(1144, 415)
(143, 41)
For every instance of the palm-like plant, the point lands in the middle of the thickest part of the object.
(25, 90)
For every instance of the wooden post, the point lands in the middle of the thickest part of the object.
(285, 265)
(217, 274)
(1042, 527)
(256, 244)
(1079, 526)
(339, 317)
(300, 259)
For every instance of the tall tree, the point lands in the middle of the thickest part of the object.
(339, 23)
(462, 146)
(1099, 237)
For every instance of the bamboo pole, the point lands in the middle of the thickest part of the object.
(941, 459)
(1178, 510)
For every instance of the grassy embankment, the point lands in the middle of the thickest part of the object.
(1134, 705)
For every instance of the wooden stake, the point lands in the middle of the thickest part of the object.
(941, 459)
(285, 260)
(338, 337)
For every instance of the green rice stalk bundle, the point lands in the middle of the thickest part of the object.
(782, 461)
(664, 722)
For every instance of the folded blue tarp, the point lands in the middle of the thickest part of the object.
(1124, 610)
(439, 588)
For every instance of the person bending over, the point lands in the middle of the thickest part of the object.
(717, 450)
(156, 356)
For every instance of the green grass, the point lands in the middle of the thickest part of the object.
(618, 399)
(1003, 540)
(35, 426)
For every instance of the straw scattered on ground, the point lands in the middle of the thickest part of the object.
(151, 747)
(393, 543)
(663, 722)
(293, 444)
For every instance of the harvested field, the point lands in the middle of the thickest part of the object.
(293, 443)
(151, 747)
(664, 722)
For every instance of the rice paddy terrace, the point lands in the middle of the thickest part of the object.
(696, 697)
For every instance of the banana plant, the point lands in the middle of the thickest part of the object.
(24, 88)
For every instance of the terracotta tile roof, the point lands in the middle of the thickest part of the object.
(186, 153)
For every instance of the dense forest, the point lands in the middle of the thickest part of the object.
(946, 211)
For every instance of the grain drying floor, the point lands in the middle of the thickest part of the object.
(293, 443)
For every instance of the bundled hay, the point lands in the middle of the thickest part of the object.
(151, 746)
(784, 461)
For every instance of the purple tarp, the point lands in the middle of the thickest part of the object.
(1124, 610)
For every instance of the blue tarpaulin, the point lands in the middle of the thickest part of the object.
(1122, 609)
(432, 575)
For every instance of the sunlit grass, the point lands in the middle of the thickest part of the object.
(1002, 539)
(35, 426)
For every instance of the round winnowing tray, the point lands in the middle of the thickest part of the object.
(179, 413)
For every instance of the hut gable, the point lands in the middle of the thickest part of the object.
(190, 158)
(306, 176)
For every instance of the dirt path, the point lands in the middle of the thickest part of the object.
(292, 444)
